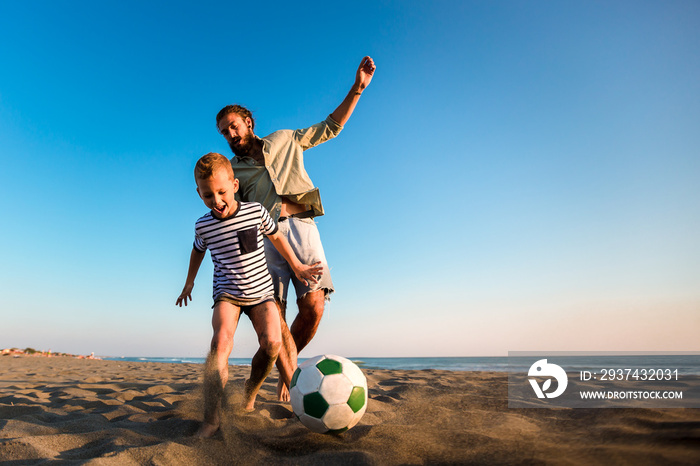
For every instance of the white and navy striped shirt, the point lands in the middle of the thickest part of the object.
(236, 247)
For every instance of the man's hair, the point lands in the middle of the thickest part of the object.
(240, 110)
(209, 164)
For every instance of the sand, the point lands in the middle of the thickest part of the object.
(113, 412)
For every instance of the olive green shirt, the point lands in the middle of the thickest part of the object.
(283, 173)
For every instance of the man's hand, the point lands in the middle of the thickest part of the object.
(185, 295)
(364, 73)
(309, 273)
(363, 77)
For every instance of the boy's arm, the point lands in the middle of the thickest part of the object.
(196, 258)
(305, 273)
(362, 79)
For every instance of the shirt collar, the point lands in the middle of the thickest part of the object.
(245, 159)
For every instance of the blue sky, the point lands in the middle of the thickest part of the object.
(519, 176)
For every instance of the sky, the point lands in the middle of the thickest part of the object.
(519, 176)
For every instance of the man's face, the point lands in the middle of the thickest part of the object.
(218, 193)
(237, 132)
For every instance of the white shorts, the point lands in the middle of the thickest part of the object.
(305, 240)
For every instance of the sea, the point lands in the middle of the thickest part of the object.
(424, 363)
(688, 364)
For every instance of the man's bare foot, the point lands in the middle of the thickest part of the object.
(207, 430)
(282, 392)
(249, 405)
(249, 397)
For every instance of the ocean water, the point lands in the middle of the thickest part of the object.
(688, 364)
(451, 364)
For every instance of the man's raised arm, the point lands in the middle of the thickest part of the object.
(362, 79)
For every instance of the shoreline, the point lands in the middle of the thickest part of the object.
(142, 412)
(32, 353)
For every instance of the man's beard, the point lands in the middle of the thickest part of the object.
(244, 147)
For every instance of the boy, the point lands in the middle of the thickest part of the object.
(233, 232)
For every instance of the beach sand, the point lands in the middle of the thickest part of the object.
(114, 412)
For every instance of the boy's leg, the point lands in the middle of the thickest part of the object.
(224, 322)
(266, 322)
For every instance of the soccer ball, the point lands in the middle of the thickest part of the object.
(329, 393)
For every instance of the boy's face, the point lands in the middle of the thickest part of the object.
(218, 192)
(237, 132)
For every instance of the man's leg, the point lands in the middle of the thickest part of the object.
(224, 322)
(266, 322)
(305, 241)
(311, 298)
(287, 360)
(309, 317)
(281, 274)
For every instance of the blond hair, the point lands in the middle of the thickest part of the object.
(209, 164)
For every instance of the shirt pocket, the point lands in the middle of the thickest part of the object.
(248, 240)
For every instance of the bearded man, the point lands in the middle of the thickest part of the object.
(271, 171)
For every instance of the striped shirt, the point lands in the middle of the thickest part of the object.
(236, 247)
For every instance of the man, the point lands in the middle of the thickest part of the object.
(271, 171)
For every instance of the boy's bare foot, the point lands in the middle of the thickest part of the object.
(282, 392)
(207, 430)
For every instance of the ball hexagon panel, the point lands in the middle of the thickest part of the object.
(356, 418)
(355, 375)
(309, 380)
(336, 388)
(297, 399)
(338, 416)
